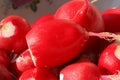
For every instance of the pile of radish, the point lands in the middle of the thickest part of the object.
(77, 42)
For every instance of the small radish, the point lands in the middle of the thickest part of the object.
(22, 63)
(80, 71)
(12, 33)
(111, 18)
(109, 60)
(42, 19)
(83, 13)
(4, 73)
(37, 74)
(55, 42)
(4, 59)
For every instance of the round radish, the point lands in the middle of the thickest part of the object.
(12, 33)
(37, 74)
(55, 42)
(86, 15)
(83, 13)
(22, 63)
(111, 18)
(80, 71)
(109, 60)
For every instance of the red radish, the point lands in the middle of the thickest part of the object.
(37, 74)
(111, 18)
(4, 59)
(55, 42)
(12, 33)
(4, 73)
(22, 63)
(83, 13)
(109, 59)
(42, 19)
(80, 71)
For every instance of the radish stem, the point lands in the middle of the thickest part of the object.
(106, 35)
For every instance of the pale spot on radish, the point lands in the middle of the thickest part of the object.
(8, 29)
(31, 78)
(61, 76)
(117, 52)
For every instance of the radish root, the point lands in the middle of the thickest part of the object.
(106, 35)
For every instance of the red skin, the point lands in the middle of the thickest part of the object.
(16, 42)
(43, 18)
(55, 42)
(111, 18)
(37, 74)
(22, 63)
(80, 71)
(109, 59)
(4, 73)
(85, 14)
(4, 59)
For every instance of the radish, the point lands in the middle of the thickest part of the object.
(55, 42)
(109, 59)
(12, 34)
(85, 14)
(80, 71)
(111, 18)
(4, 59)
(4, 73)
(37, 74)
(22, 63)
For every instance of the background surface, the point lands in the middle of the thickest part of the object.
(44, 7)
